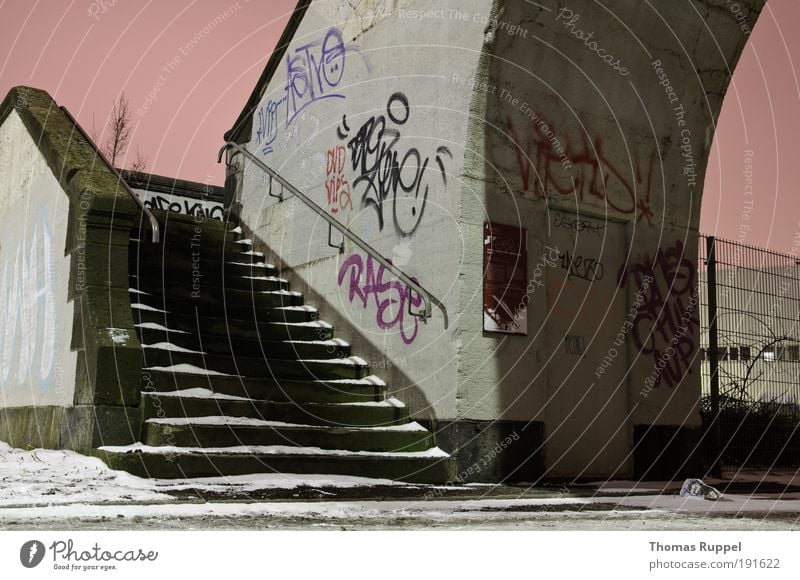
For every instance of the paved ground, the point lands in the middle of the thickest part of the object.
(416, 507)
(59, 490)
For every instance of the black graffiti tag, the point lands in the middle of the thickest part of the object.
(385, 172)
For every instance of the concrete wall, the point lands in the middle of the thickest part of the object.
(598, 121)
(362, 116)
(588, 125)
(36, 312)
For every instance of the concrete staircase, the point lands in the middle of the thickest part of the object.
(242, 377)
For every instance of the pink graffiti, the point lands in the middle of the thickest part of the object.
(582, 170)
(336, 184)
(391, 297)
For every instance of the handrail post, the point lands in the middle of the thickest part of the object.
(427, 297)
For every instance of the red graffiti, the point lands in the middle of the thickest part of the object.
(336, 184)
(666, 322)
(582, 170)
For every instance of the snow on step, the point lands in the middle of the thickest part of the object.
(156, 326)
(171, 347)
(281, 292)
(331, 342)
(198, 393)
(311, 324)
(228, 421)
(268, 278)
(370, 380)
(140, 306)
(237, 230)
(252, 253)
(256, 265)
(267, 450)
(188, 369)
(223, 420)
(390, 402)
(135, 291)
(244, 242)
(353, 361)
(302, 308)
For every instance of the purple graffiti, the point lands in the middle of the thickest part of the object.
(313, 72)
(390, 296)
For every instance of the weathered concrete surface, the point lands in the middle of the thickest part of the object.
(71, 362)
(588, 125)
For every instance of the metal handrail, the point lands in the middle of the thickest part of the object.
(427, 297)
(154, 227)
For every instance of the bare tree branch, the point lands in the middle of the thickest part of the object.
(119, 127)
(140, 163)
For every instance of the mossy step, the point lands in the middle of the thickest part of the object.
(180, 266)
(215, 286)
(307, 369)
(370, 390)
(220, 431)
(271, 325)
(230, 345)
(203, 402)
(182, 224)
(272, 306)
(216, 298)
(410, 467)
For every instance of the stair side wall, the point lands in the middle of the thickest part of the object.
(71, 362)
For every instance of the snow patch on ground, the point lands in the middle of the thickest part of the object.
(46, 477)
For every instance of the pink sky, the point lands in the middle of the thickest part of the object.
(86, 52)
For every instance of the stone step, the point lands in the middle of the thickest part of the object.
(234, 344)
(271, 306)
(183, 227)
(257, 367)
(432, 466)
(202, 402)
(155, 285)
(286, 325)
(182, 266)
(220, 431)
(369, 391)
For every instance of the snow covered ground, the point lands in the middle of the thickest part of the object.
(66, 490)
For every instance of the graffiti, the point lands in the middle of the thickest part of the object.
(575, 344)
(575, 225)
(589, 269)
(336, 185)
(665, 323)
(187, 206)
(386, 172)
(313, 71)
(28, 309)
(592, 175)
(366, 280)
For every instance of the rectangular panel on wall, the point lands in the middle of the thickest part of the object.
(505, 278)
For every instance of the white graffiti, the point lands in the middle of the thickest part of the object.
(27, 306)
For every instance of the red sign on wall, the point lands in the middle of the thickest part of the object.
(505, 278)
